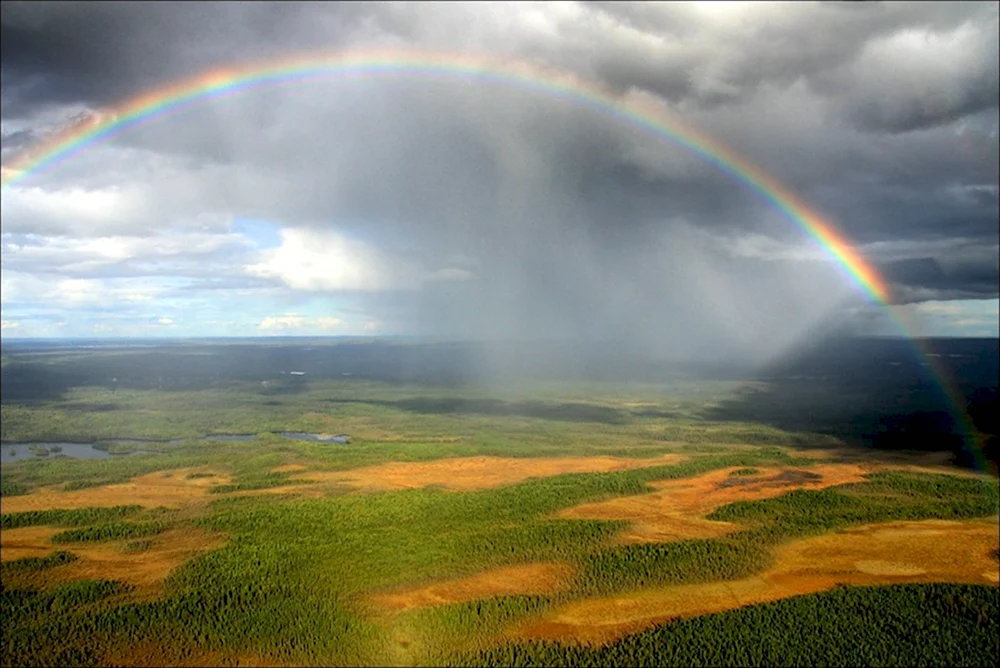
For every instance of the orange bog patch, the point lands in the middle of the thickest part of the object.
(473, 473)
(146, 570)
(892, 553)
(676, 510)
(162, 488)
(505, 581)
(26, 542)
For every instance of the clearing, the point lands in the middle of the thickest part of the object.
(475, 473)
(146, 569)
(26, 542)
(171, 489)
(544, 578)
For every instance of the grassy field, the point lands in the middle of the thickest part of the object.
(270, 550)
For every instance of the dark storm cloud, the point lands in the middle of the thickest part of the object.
(973, 280)
(18, 140)
(882, 116)
(686, 52)
(102, 53)
(905, 115)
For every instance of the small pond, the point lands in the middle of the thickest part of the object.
(142, 441)
(17, 452)
(342, 439)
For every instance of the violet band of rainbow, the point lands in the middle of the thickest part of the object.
(170, 100)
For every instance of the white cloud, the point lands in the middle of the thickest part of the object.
(79, 291)
(76, 293)
(327, 323)
(165, 321)
(282, 322)
(918, 70)
(323, 260)
(960, 317)
(9, 324)
(941, 308)
(70, 207)
(314, 260)
(185, 252)
(765, 248)
(298, 322)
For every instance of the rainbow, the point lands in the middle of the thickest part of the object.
(646, 115)
(226, 82)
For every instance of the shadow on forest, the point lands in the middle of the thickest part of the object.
(29, 383)
(284, 387)
(88, 407)
(35, 373)
(881, 395)
(875, 393)
(567, 412)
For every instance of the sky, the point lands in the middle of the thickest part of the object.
(463, 208)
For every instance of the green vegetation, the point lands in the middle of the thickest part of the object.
(111, 531)
(136, 545)
(73, 485)
(75, 517)
(87, 591)
(38, 563)
(796, 514)
(258, 481)
(310, 559)
(293, 579)
(10, 488)
(885, 496)
(437, 632)
(903, 625)
(70, 642)
(634, 566)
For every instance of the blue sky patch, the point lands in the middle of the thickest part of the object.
(264, 235)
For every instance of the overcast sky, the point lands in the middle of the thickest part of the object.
(461, 208)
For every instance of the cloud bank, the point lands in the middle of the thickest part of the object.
(460, 208)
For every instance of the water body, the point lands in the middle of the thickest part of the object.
(17, 452)
(143, 441)
(21, 451)
(178, 441)
(342, 439)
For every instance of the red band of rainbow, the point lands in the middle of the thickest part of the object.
(653, 118)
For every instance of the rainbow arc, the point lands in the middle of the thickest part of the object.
(221, 83)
